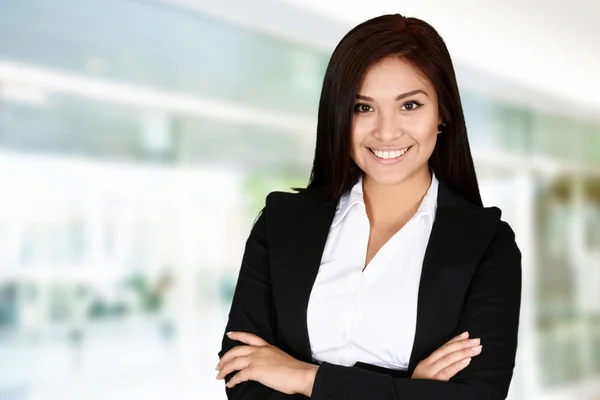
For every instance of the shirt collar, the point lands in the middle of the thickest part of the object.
(355, 195)
(347, 200)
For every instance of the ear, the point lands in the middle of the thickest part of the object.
(440, 127)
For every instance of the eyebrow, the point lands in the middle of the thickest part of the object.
(399, 97)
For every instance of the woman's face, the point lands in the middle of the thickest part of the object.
(394, 128)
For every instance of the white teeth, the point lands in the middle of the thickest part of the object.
(386, 155)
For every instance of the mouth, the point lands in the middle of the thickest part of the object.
(390, 156)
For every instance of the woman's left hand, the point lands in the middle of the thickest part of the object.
(261, 362)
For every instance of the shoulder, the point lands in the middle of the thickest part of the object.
(286, 203)
(505, 238)
(502, 239)
(277, 198)
(481, 229)
(490, 242)
(275, 202)
(502, 229)
(286, 198)
(295, 214)
(504, 234)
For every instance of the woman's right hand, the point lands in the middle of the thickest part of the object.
(449, 359)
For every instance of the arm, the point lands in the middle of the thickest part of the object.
(491, 312)
(251, 310)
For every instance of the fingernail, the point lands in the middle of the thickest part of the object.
(464, 334)
(476, 349)
(217, 377)
(217, 367)
(475, 341)
(229, 333)
(466, 361)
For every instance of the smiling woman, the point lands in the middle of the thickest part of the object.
(385, 276)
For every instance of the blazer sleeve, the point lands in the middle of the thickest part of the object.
(251, 310)
(490, 312)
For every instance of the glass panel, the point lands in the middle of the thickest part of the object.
(250, 148)
(558, 137)
(559, 349)
(553, 214)
(591, 149)
(72, 126)
(166, 47)
(568, 279)
(595, 345)
(496, 126)
(482, 128)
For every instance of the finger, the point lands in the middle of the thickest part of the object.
(237, 364)
(462, 336)
(237, 351)
(455, 356)
(447, 373)
(247, 338)
(452, 347)
(242, 376)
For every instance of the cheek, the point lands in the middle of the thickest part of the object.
(358, 136)
(426, 136)
(425, 131)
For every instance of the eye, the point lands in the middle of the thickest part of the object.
(411, 105)
(362, 108)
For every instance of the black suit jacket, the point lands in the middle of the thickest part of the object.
(470, 281)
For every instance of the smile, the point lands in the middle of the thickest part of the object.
(390, 155)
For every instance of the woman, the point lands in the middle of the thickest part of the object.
(384, 277)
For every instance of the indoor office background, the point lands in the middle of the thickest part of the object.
(138, 139)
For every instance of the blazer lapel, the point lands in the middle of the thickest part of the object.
(459, 237)
(298, 259)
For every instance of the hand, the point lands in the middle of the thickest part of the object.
(264, 363)
(449, 359)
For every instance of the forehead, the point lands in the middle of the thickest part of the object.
(393, 74)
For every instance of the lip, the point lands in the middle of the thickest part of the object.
(389, 160)
(389, 148)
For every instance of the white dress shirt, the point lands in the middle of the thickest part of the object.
(368, 316)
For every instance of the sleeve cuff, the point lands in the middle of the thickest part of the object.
(333, 381)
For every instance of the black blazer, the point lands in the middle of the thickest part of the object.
(471, 280)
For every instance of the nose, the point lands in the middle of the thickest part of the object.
(388, 127)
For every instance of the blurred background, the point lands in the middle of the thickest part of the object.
(138, 139)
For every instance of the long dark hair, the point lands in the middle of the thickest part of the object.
(415, 41)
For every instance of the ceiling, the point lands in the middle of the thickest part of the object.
(541, 54)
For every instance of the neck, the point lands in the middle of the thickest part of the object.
(395, 204)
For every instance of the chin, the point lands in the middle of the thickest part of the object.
(390, 178)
